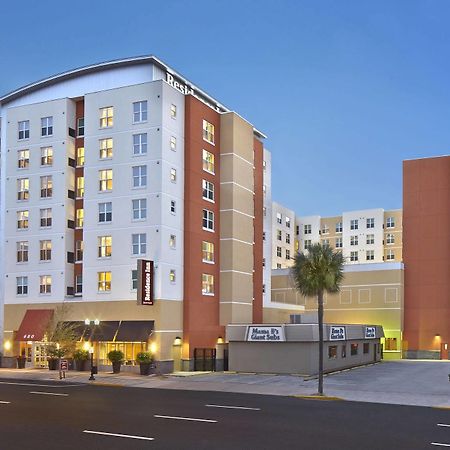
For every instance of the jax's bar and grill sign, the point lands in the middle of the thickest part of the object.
(145, 282)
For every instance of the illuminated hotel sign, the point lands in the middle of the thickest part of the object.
(183, 88)
(265, 334)
(337, 333)
(370, 333)
(145, 282)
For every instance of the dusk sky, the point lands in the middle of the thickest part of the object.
(344, 90)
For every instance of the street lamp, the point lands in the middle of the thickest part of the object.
(91, 352)
(95, 323)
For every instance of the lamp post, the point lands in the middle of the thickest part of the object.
(95, 323)
(91, 352)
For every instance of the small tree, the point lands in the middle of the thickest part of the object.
(315, 271)
(60, 331)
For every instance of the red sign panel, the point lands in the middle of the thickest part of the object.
(145, 282)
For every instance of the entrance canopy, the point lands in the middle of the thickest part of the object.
(34, 324)
(135, 330)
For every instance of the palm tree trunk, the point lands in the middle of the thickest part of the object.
(320, 317)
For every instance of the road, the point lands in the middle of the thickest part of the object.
(47, 415)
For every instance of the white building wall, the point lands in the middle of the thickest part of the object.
(313, 236)
(287, 242)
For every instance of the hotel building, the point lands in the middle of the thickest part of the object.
(122, 161)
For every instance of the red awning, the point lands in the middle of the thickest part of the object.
(34, 324)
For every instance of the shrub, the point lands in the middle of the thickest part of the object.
(81, 355)
(115, 356)
(144, 357)
(54, 352)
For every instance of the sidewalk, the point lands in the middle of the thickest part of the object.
(406, 382)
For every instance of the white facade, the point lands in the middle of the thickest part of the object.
(283, 236)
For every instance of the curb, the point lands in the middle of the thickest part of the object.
(101, 383)
(318, 397)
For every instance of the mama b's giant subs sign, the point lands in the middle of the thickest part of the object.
(144, 282)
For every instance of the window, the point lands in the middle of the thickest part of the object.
(279, 218)
(339, 227)
(264, 211)
(80, 156)
(22, 285)
(22, 220)
(207, 252)
(173, 143)
(78, 284)
(79, 221)
(208, 220)
(288, 254)
(104, 246)
(172, 277)
(80, 126)
(208, 190)
(207, 284)
(172, 241)
(105, 148)
(79, 247)
(46, 126)
(353, 240)
(140, 111)
(279, 235)
(46, 186)
(23, 189)
(139, 209)
(46, 156)
(23, 159)
(264, 235)
(104, 281)
(139, 176)
(307, 229)
(173, 111)
(353, 349)
(105, 180)
(45, 248)
(390, 255)
(353, 256)
(288, 238)
(325, 229)
(173, 206)
(370, 255)
(264, 262)
(140, 144)
(173, 175)
(366, 347)
(139, 244)
(344, 351)
(24, 129)
(278, 266)
(106, 117)
(370, 239)
(338, 242)
(45, 284)
(325, 242)
(105, 212)
(134, 279)
(390, 239)
(390, 222)
(208, 132)
(390, 343)
(80, 187)
(288, 222)
(354, 224)
(307, 244)
(370, 223)
(22, 251)
(332, 352)
(279, 252)
(208, 161)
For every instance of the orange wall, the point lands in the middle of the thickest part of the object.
(426, 252)
(200, 313)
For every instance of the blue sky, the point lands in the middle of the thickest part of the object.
(345, 90)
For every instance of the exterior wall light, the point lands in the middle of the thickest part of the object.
(7, 345)
(86, 346)
(177, 341)
(153, 347)
(220, 340)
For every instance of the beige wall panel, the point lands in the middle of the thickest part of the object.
(232, 313)
(235, 169)
(275, 315)
(236, 255)
(235, 197)
(237, 226)
(236, 287)
(236, 136)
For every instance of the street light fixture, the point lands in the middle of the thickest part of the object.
(95, 323)
(91, 352)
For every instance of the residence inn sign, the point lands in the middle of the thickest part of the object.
(145, 282)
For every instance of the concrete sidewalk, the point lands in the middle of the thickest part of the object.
(406, 382)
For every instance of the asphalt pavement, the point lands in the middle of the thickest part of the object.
(48, 415)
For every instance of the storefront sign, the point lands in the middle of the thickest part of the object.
(145, 282)
(370, 333)
(337, 333)
(265, 334)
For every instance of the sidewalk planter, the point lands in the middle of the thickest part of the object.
(116, 358)
(21, 362)
(146, 363)
(80, 358)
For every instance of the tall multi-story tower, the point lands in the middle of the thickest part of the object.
(124, 161)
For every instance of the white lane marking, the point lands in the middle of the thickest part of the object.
(185, 418)
(443, 425)
(129, 436)
(233, 407)
(48, 393)
(440, 445)
(40, 385)
(4, 403)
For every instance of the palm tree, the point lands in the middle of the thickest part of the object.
(315, 271)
